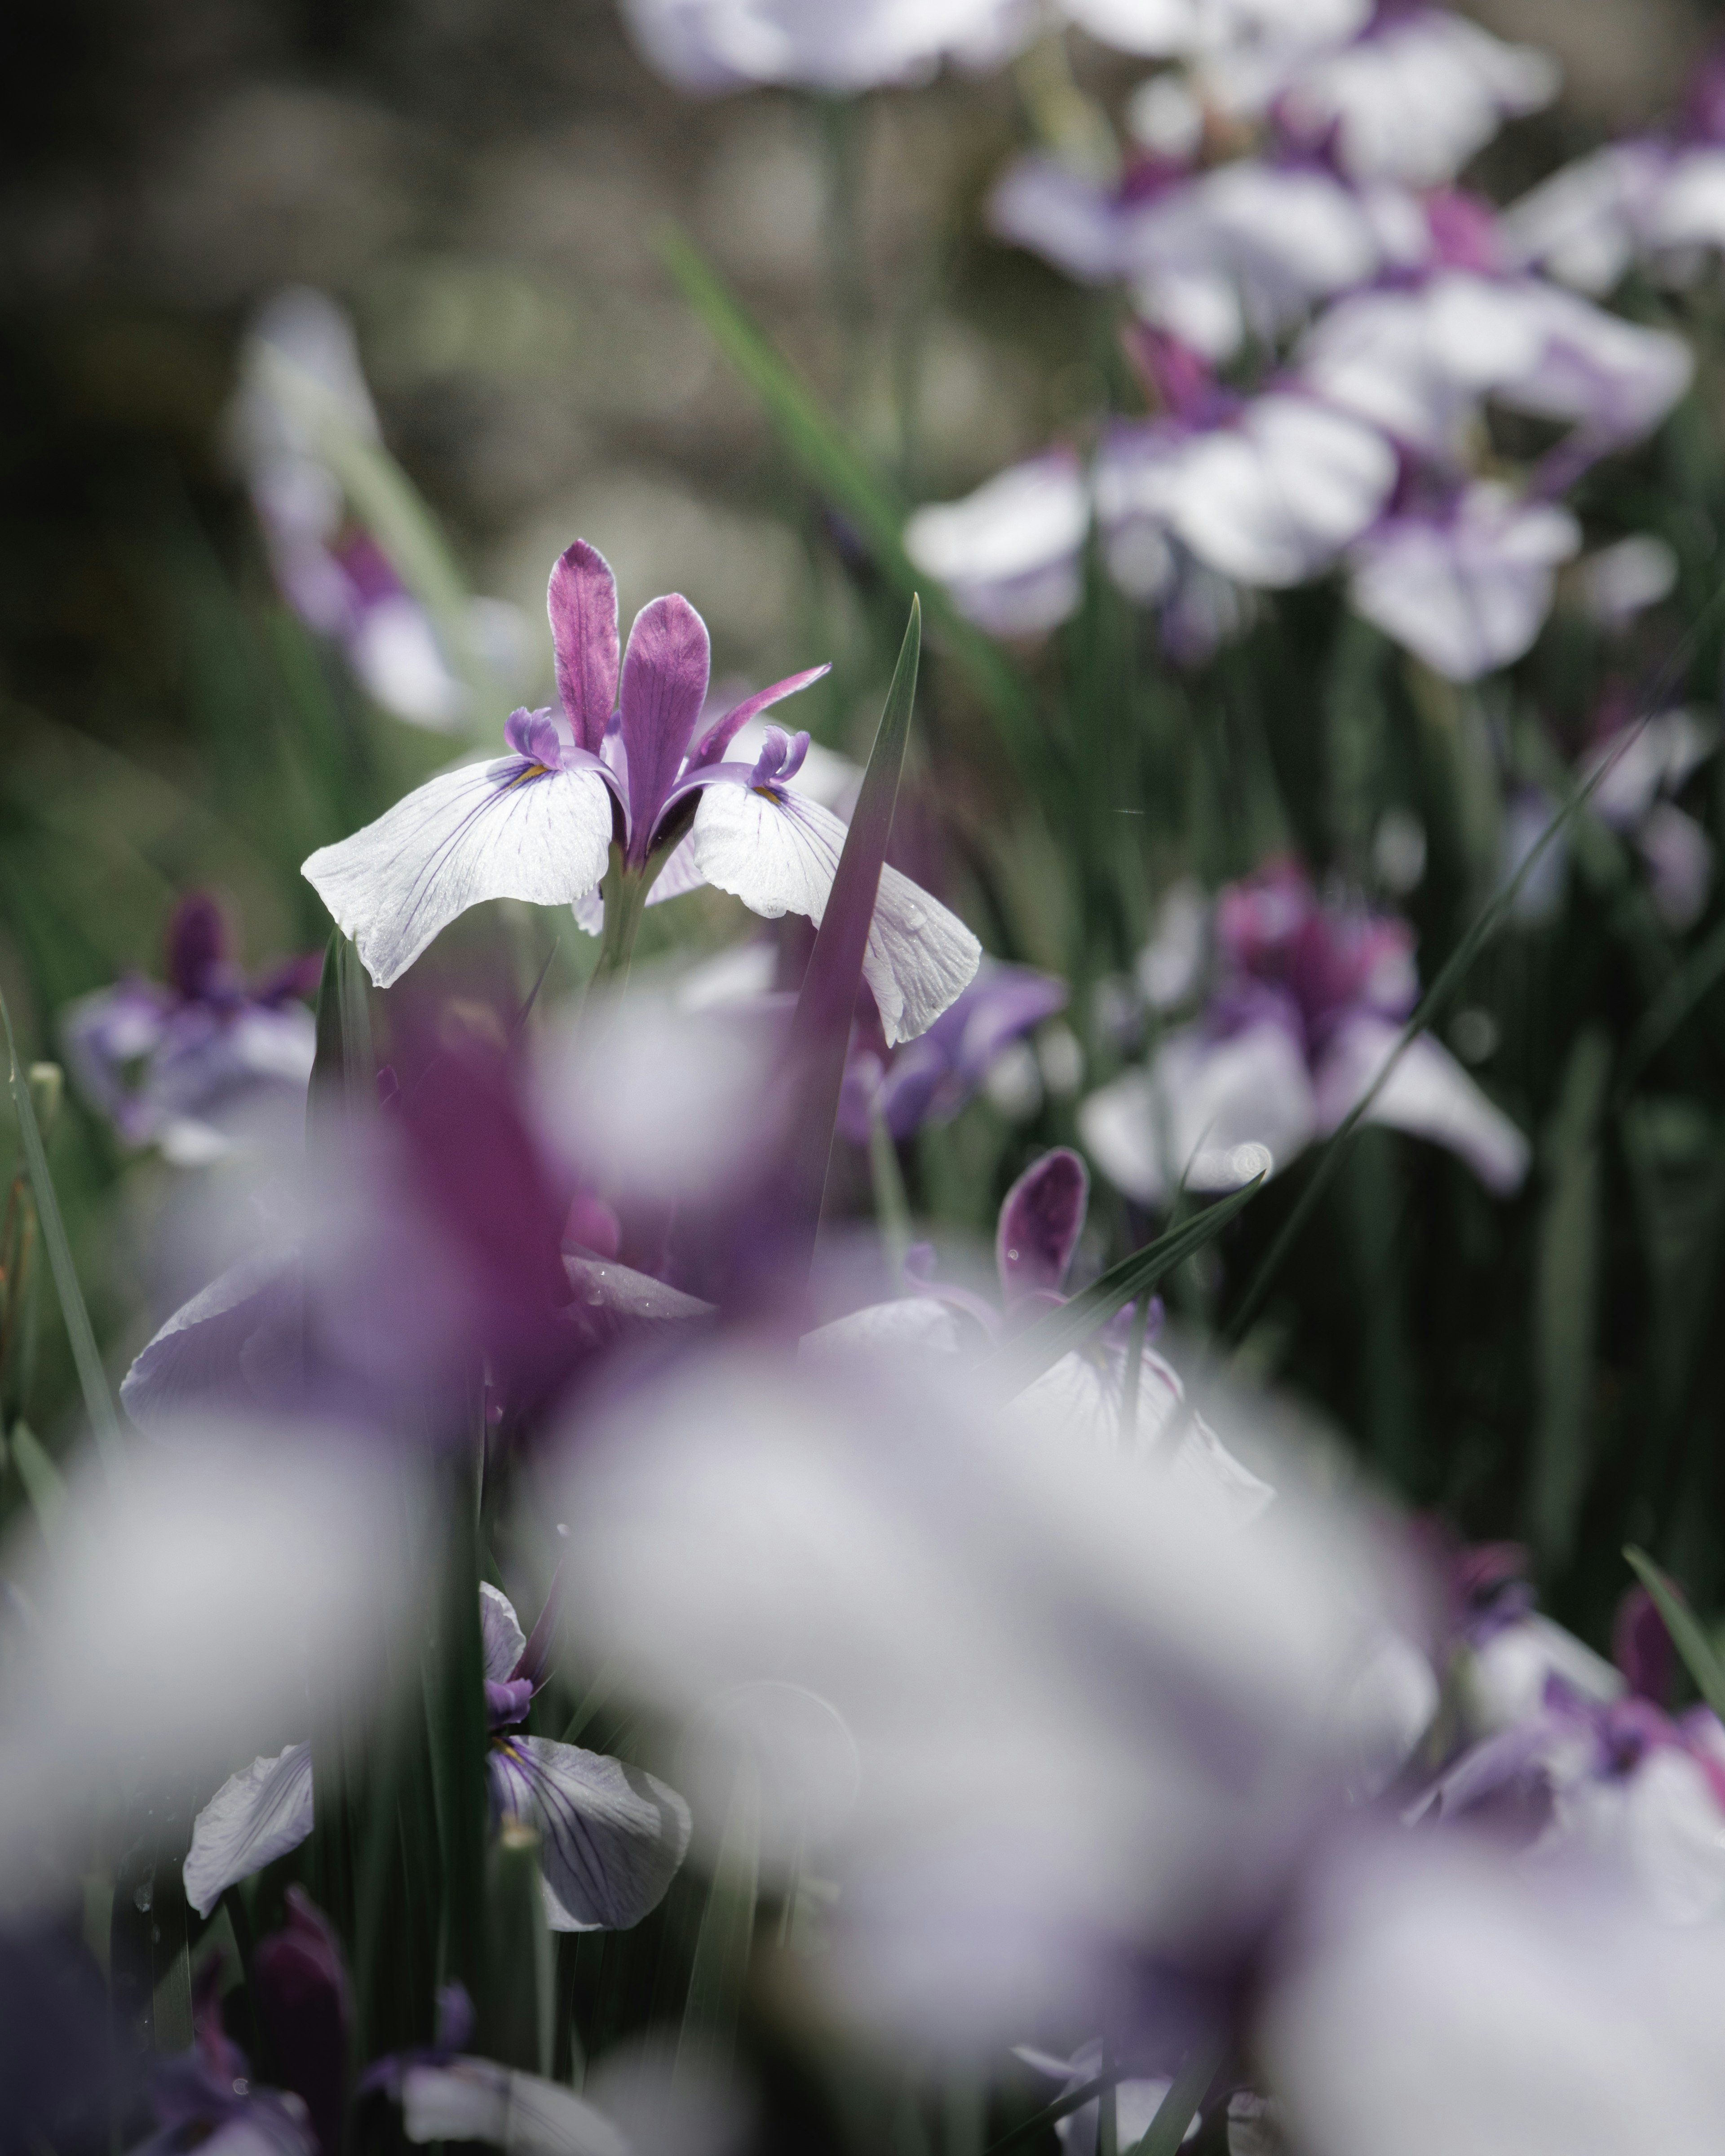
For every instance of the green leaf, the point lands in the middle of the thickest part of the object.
(843, 474)
(98, 1400)
(1186, 2092)
(43, 1484)
(1699, 1657)
(1565, 1293)
(1052, 2114)
(1019, 1360)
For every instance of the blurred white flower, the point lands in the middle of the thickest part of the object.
(839, 46)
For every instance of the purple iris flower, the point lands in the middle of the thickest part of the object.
(187, 1064)
(626, 785)
(610, 1837)
(930, 1079)
(204, 2099)
(1306, 1009)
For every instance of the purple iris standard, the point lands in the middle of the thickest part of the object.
(1305, 1009)
(623, 791)
(185, 1064)
(929, 1080)
(610, 1837)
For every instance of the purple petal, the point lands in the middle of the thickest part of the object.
(197, 944)
(719, 737)
(506, 1703)
(611, 1838)
(534, 735)
(306, 2009)
(1641, 1647)
(665, 674)
(583, 604)
(1040, 1222)
(501, 1638)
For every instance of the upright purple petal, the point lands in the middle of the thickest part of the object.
(1040, 1222)
(197, 944)
(583, 605)
(1641, 1646)
(719, 737)
(665, 674)
(306, 2007)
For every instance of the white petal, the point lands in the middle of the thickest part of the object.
(780, 856)
(1428, 1093)
(1677, 1837)
(1009, 552)
(913, 1324)
(502, 1638)
(481, 831)
(257, 1816)
(1505, 1675)
(476, 2100)
(1199, 1110)
(610, 1837)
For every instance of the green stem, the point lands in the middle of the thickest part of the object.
(624, 891)
(892, 1208)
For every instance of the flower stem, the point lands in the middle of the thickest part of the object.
(624, 891)
(892, 1208)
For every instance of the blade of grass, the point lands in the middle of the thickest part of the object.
(827, 457)
(1019, 1360)
(1687, 1637)
(1700, 971)
(43, 1484)
(98, 1400)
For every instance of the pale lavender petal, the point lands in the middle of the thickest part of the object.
(1064, 216)
(1041, 1218)
(502, 830)
(237, 1344)
(914, 1324)
(500, 1634)
(465, 2099)
(583, 604)
(778, 851)
(611, 1837)
(1679, 856)
(1010, 552)
(1427, 1093)
(1209, 1109)
(255, 1816)
(665, 676)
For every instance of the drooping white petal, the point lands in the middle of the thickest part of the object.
(1206, 1110)
(502, 1641)
(1585, 223)
(779, 855)
(610, 1837)
(257, 1816)
(1427, 1093)
(1009, 552)
(501, 830)
(476, 2100)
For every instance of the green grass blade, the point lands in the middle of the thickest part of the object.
(1687, 1637)
(1700, 971)
(827, 457)
(1566, 1286)
(43, 1484)
(1186, 2092)
(98, 1400)
(1018, 1362)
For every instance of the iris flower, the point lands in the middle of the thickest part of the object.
(610, 1838)
(615, 786)
(1308, 1005)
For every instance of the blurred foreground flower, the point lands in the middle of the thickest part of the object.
(930, 1079)
(609, 1838)
(205, 1060)
(538, 824)
(332, 569)
(836, 46)
(1307, 1006)
(1091, 1721)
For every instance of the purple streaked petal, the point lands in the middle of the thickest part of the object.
(611, 1837)
(664, 677)
(500, 1634)
(718, 737)
(502, 830)
(257, 1816)
(583, 604)
(238, 1344)
(1041, 1218)
(778, 851)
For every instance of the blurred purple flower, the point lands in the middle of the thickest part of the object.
(330, 569)
(188, 1064)
(56, 2051)
(610, 1837)
(1306, 1006)
(204, 2099)
(930, 1079)
(538, 824)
